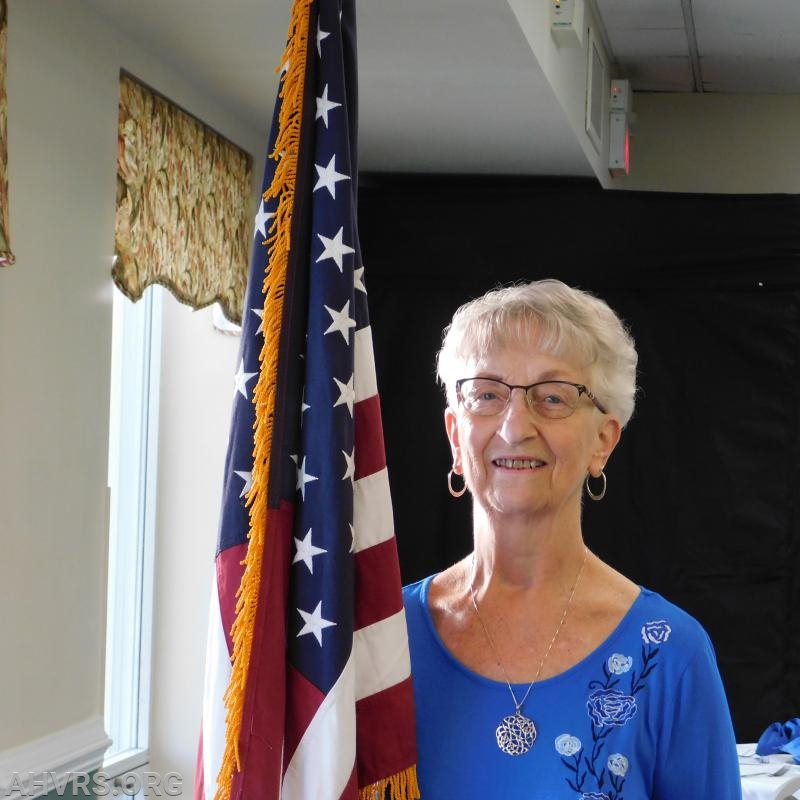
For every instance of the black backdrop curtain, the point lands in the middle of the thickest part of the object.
(702, 502)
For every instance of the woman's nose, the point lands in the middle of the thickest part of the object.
(518, 420)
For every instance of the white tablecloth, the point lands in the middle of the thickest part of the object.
(756, 785)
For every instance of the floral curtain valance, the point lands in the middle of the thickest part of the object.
(183, 197)
(6, 256)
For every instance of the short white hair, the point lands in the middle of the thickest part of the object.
(564, 322)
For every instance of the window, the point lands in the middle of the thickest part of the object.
(133, 438)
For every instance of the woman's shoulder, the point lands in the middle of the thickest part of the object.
(657, 621)
(653, 603)
(650, 618)
(417, 611)
(437, 590)
(415, 590)
(431, 600)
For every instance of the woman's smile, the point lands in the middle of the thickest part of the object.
(518, 463)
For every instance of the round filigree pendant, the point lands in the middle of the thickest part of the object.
(516, 734)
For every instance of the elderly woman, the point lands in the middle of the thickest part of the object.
(540, 671)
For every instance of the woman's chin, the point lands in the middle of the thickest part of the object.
(513, 504)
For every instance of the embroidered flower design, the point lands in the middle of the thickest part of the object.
(656, 632)
(610, 707)
(568, 745)
(618, 764)
(593, 770)
(619, 664)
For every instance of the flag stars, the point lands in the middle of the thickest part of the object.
(314, 623)
(334, 248)
(241, 378)
(247, 477)
(350, 468)
(303, 478)
(262, 218)
(358, 280)
(324, 106)
(321, 35)
(347, 395)
(259, 312)
(342, 321)
(328, 176)
(306, 551)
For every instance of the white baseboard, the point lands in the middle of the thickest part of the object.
(36, 768)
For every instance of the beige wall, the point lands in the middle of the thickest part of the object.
(715, 143)
(55, 326)
(55, 320)
(197, 368)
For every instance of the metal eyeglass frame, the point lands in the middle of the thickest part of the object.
(582, 389)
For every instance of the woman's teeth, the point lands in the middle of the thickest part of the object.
(518, 463)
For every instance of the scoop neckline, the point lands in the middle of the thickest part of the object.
(553, 680)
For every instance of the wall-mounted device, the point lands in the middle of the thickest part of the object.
(621, 96)
(619, 137)
(566, 22)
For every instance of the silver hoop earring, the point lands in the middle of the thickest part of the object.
(602, 493)
(455, 492)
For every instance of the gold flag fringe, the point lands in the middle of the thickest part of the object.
(286, 150)
(402, 786)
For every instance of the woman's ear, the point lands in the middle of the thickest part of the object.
(451, 426)
(607, 437)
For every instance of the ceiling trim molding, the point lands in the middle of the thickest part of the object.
(691, 40)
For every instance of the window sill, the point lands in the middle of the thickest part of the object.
(127, 761)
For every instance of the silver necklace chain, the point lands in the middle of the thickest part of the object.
(517, 733)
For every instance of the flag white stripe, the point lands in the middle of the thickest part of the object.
(217, 677)
(373, 522)
(324, 759)
(380, 661)
(365, 384)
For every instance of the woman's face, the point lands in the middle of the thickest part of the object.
(517, 463)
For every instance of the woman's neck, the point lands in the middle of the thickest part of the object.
(523, 553)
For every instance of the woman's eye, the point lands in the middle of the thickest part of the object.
(552, 399)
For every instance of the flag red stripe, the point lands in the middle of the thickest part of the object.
(229, 576)
(369, 452)
(323, 760)
(376, 568)
(199, 776)
(304, 700)
(382, 741)
(261, 740)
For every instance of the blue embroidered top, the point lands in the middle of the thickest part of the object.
(643, 717)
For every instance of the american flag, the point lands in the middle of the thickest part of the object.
(327, 707)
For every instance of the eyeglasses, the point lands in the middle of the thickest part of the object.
(486, 397)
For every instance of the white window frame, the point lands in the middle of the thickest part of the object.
(132, 480)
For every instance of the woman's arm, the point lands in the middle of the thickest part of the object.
(697, 757)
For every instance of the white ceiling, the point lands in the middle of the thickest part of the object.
(452, 85)
(730, 46)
